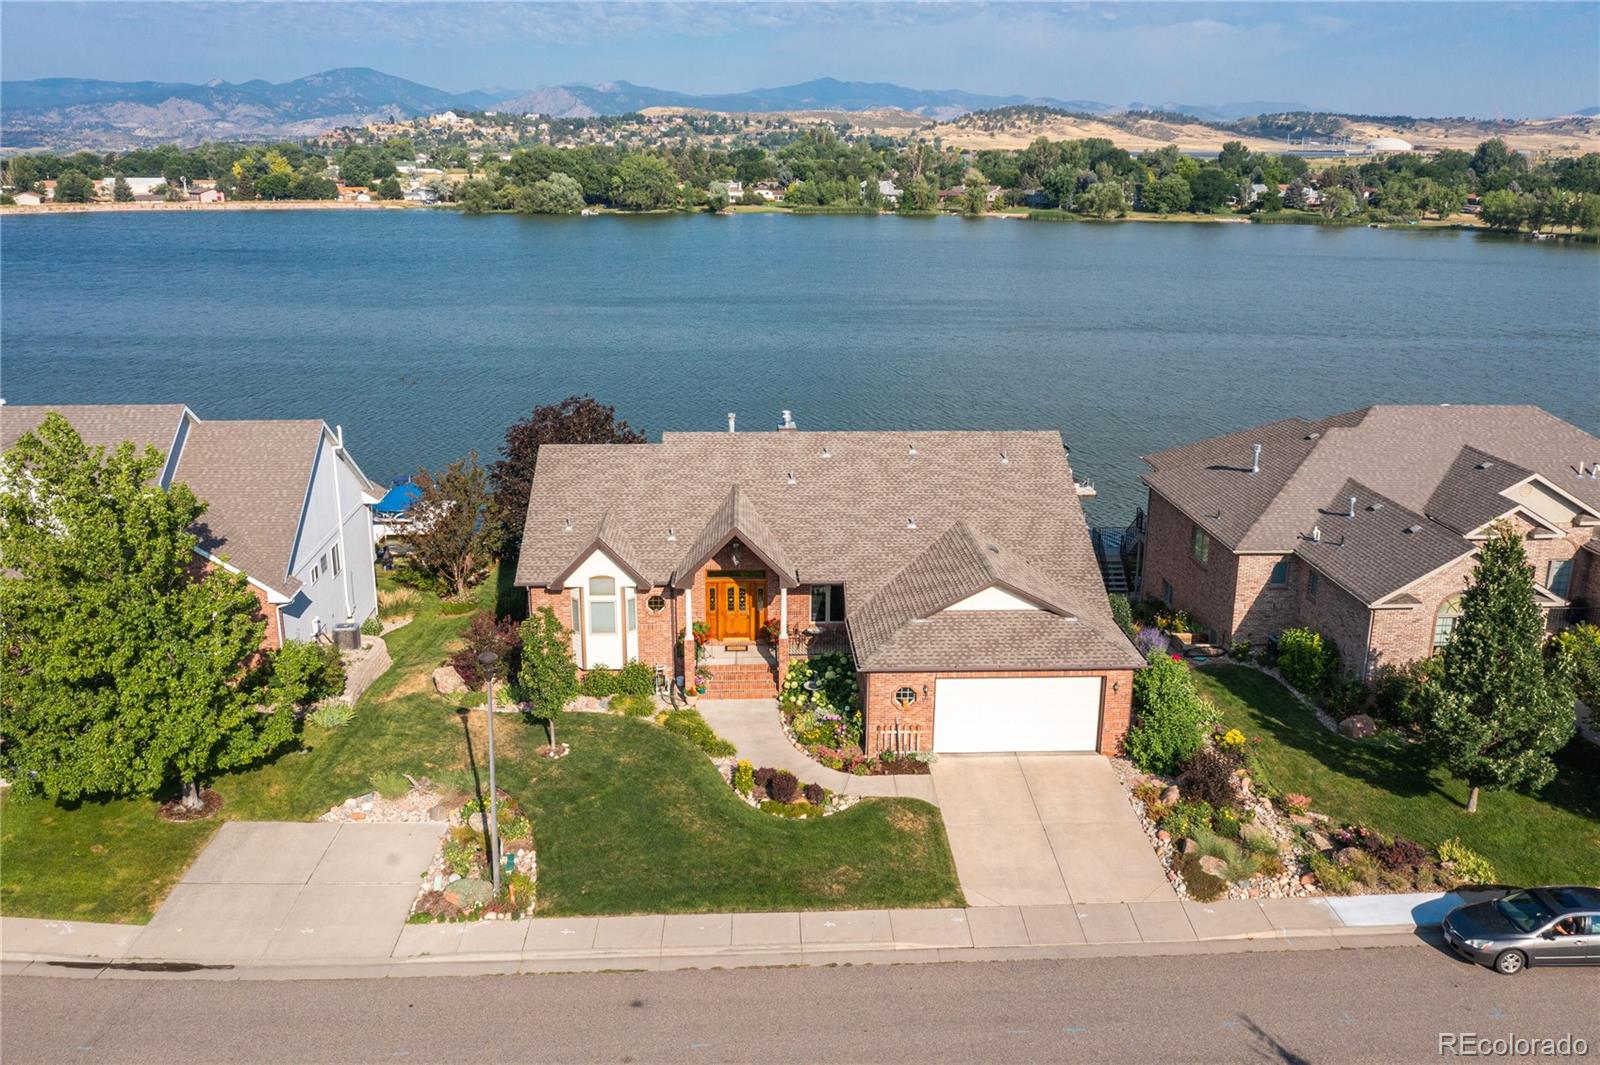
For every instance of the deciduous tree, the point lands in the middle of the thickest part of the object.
(121, 666)
(548, 675)
(456, 528)
(1499, 708)
(574, 420)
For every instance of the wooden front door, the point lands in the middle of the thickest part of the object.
(736, 607)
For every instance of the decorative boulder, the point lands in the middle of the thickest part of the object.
(1345, 855)
(1215, 866)
(469, 893)
(1169, 797)
(1358, 726)
(446, 681)
(1319, 841)
(1188, 846)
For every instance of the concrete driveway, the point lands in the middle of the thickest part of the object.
(1041, 829)
(264, 889)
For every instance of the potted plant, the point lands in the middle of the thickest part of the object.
(771, 630)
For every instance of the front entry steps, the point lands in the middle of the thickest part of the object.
(739, 681)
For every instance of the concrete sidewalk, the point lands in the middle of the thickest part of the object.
(570, 944)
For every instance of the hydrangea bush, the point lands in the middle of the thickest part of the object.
(835, 702)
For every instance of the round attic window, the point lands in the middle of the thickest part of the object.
(905, 697)
(656, 604)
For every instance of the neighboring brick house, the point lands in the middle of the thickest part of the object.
(286, 505)
(1365, 525)
(954, 566)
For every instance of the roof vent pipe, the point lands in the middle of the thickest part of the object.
(1255, 458)
(1594, 471)
(731, 416)
(1316, 534)
(1352, 511)
(788, 421)
(1580, 469)
(911, 523)
(791, 477)
(338, 435)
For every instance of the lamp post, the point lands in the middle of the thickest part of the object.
(488, 660)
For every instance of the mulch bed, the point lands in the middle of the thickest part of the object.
(175, 811)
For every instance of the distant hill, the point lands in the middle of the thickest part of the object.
(821, 94)
(82, 113)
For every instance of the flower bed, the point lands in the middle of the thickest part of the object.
(458, 885)
(824, 720)
(779, 792)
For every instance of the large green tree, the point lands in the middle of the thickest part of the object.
(122, 667)
(1500, 708)
(74, 186)
(456, 527)
(548, 675)
(643, 182)
(556, 194)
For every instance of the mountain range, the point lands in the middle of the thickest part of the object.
(84, 113)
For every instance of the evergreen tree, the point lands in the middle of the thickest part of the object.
(121, 191)
(548, 674)
(121, 667)
(1499, 709)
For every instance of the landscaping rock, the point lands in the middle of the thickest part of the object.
(1170, 796)
(1319, 841)
(1345, 855)
(1302, 820)
(1163, 835)
(1188, 846)
(1358, 726)
(1308, 879)
(1215, 866)
(440, 812)
(468, 893)
(475, 821)
(446, 681)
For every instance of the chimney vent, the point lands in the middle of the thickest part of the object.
(732, 416)
(788, 421)
(1413, 529)
(1316, 534)
(1255, 458)
(1352, 511)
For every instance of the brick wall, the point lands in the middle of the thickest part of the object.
(1116, 707)
(1336, 614)
(266, 613)
(1261, 608)
(657, 643)
(1208, 591)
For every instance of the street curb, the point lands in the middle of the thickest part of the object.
(65, 966)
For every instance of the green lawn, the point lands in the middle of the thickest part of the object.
(634, 820)
(1549, 837)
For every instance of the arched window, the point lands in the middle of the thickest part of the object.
(1444, 622)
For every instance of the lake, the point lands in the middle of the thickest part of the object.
(425, 333)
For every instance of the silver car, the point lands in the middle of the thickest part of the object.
(1540, 926)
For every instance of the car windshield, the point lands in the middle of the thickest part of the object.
(1525, 910)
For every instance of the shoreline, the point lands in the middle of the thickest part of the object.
(1466, 223)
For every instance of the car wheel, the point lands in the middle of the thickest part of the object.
(1510, 963)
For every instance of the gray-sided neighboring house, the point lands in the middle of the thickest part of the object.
(287, 505)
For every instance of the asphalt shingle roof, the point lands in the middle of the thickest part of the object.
(153, 424)
(1403, 452)
(1382, 549)
(1470, 494)
(863, 505)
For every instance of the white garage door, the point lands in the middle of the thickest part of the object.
(1016, 714)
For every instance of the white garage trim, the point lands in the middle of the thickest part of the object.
(974, 714)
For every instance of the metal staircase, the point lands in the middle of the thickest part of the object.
(1108, 553)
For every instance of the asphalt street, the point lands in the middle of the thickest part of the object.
(1378, 1005)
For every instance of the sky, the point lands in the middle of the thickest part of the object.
(1484, 60)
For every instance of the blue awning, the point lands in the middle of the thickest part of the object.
(398, 499)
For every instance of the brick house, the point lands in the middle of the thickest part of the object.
(1365, 525)
(955, 567)
(286, 505)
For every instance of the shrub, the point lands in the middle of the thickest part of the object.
(636, 678)
(1170, 717)
(1296, 803)
(515, 829)
(300, 674)
(1209, 777)
(1468, 865)
(599, 682)
(789, 809)
(1188, 819)
(688, 723)
(396, 602)
(547, 674)
(1151, 642)
(1331, 877)
(633, 705)
(744, 778)
(814, 794)
(836, 694)
(1345, 696)
(332, 715)
(1226, 822)
(372, 627)
(784, 786)
(1232, 740)
(389, 783)
(1362, 867)
(1397, 691)
(1122, 614)
(1579, 646)
(1258, 839)
(487, 633)
(1402, 854)
(461, 858)
(1240, 650)
(1203, 887)
(763, 776)
(1306, 659)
